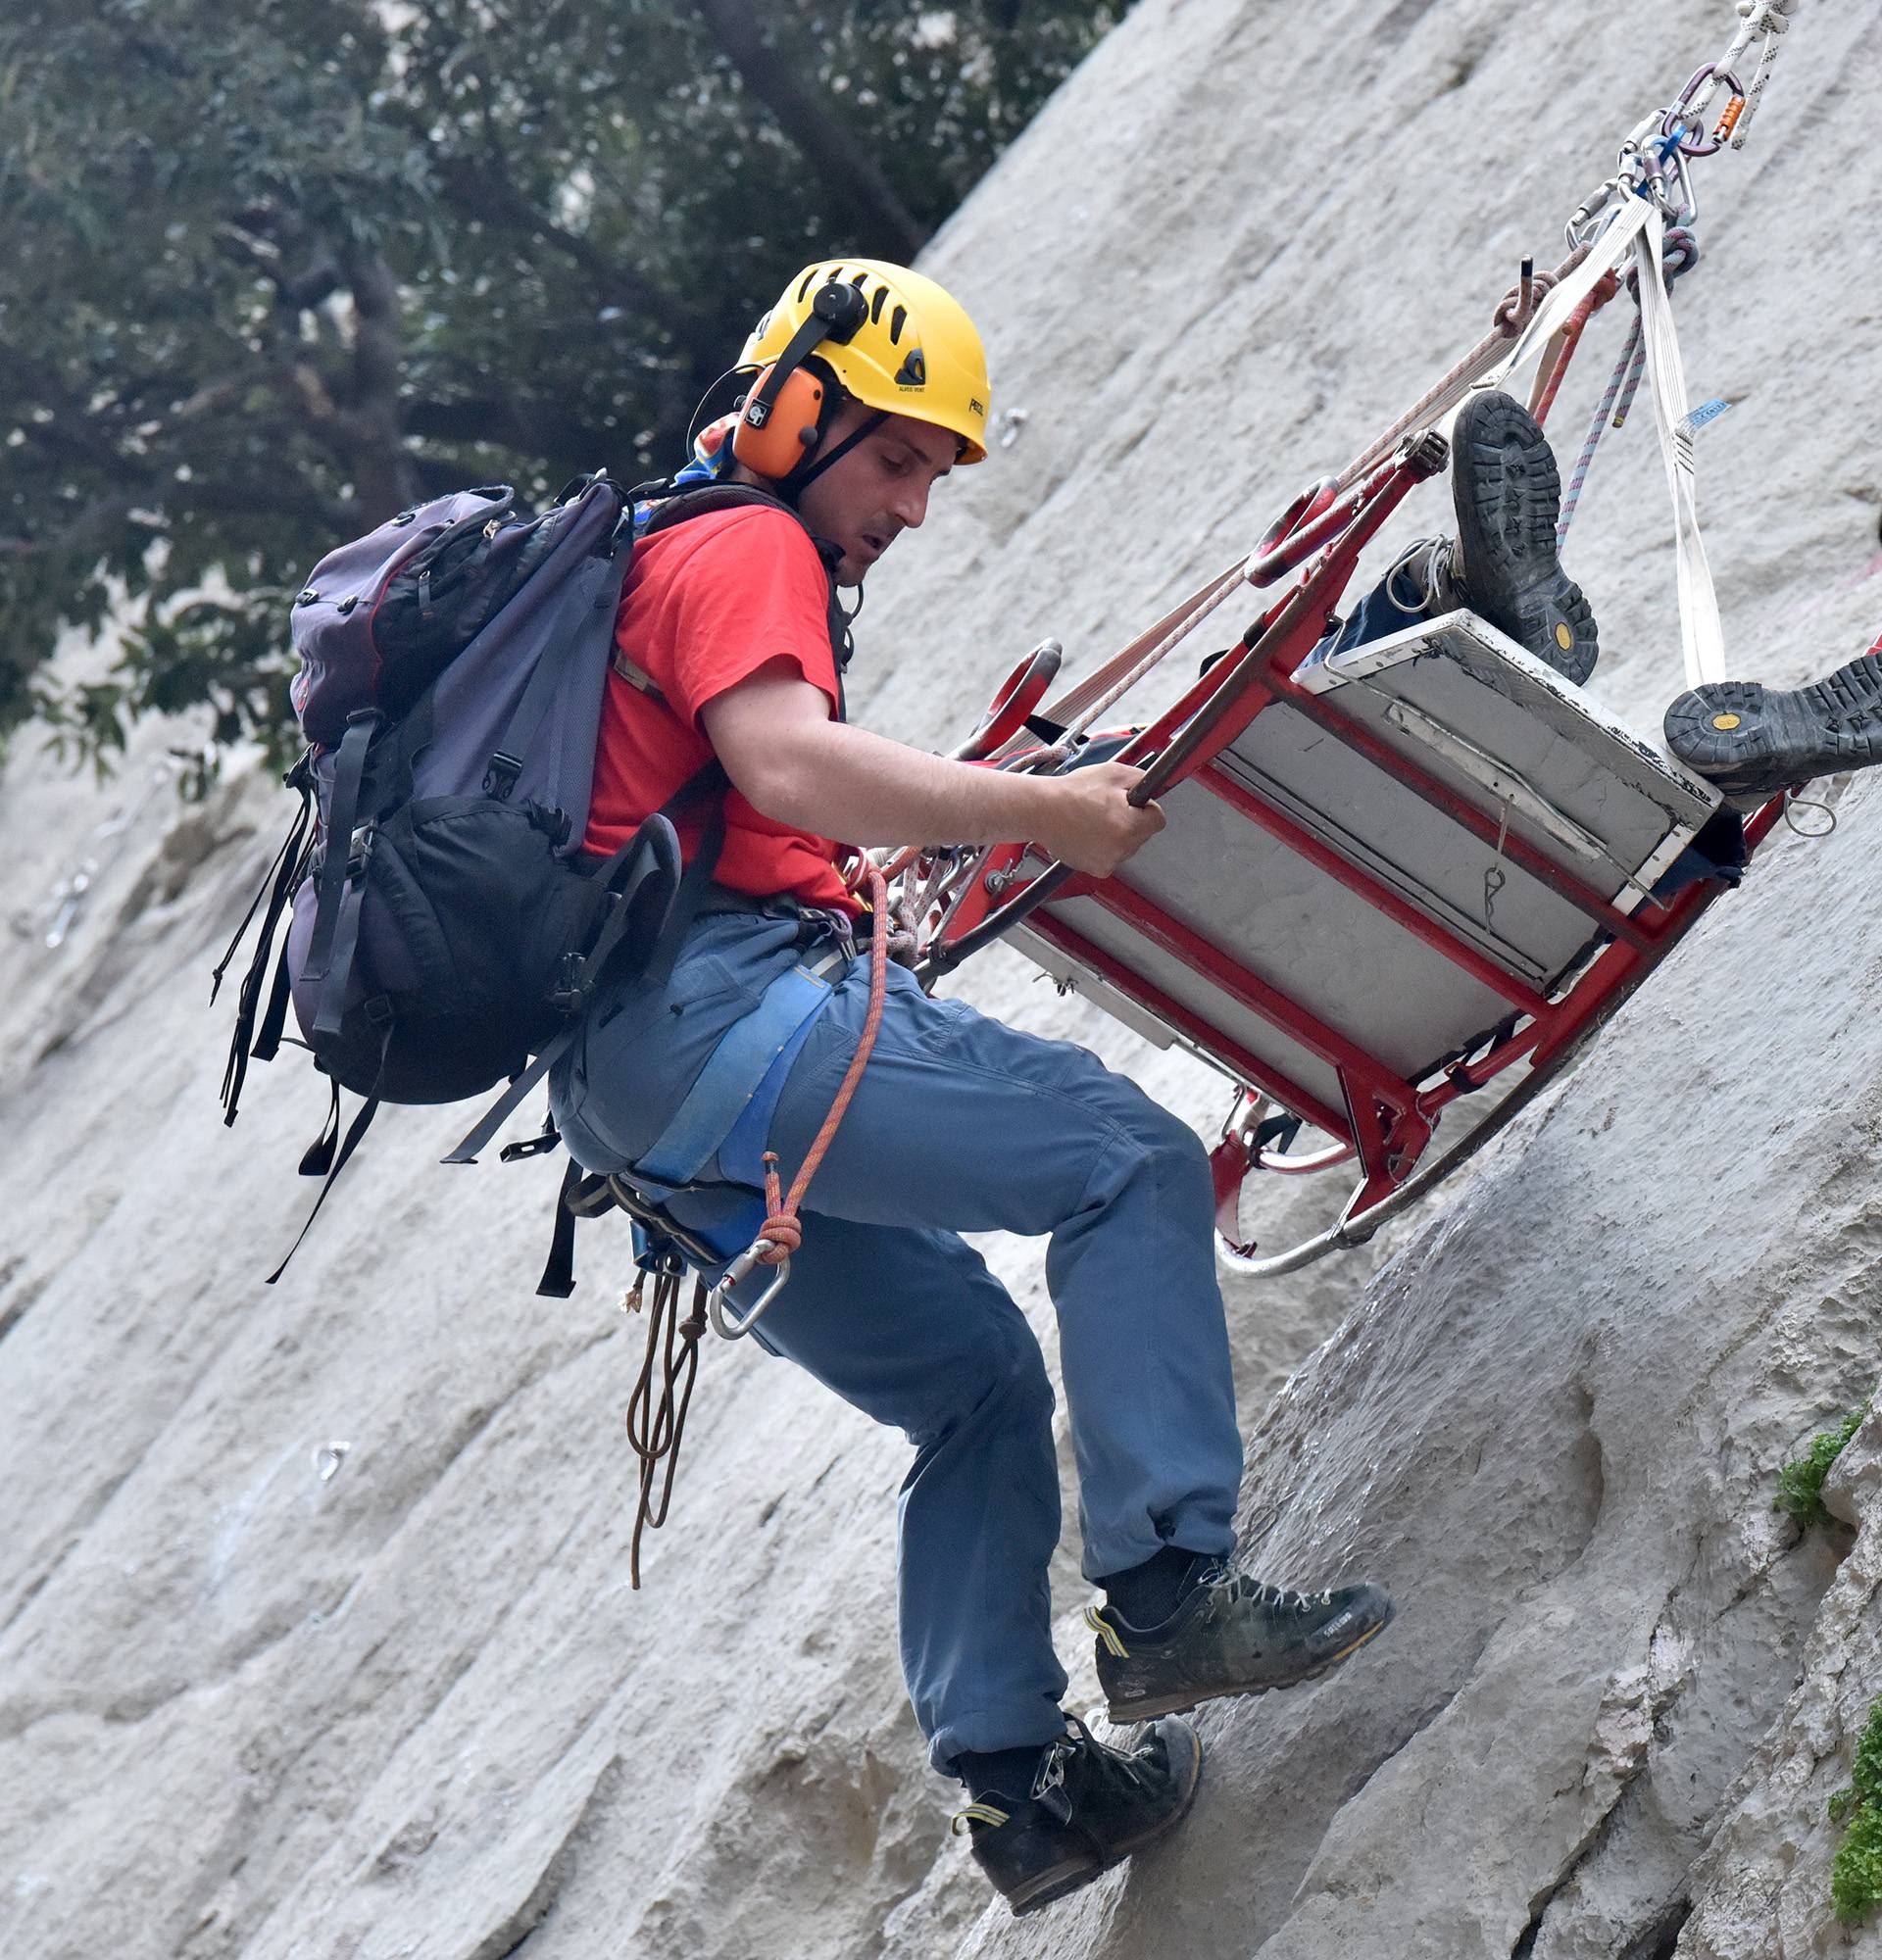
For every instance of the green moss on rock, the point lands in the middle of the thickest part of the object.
(1855, 1872)
(1800, 1483)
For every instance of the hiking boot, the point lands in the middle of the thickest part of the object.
(1754, 741)
(1232, 1635)
(1508, 496)
(1089, 1809)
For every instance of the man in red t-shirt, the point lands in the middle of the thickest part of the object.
(869, 386)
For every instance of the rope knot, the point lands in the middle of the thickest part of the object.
(786, 1236)
(1514, 310)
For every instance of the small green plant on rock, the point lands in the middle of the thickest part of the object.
(1856, 1873)
(1800, 1485)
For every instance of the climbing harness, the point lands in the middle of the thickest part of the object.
(781, 1233)
(1434, 857)
(720, 1133)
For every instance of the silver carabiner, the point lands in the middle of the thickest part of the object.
(728, 1326)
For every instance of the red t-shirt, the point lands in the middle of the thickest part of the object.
(707, 603)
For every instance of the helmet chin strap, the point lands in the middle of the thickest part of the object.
(805, 475)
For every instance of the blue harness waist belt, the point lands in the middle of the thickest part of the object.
(727, 1112)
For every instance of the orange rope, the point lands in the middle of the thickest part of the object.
(782, 1227)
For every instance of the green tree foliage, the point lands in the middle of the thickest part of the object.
(275, 271)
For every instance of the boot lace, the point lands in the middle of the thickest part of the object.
(1097, 1764)
(1133, 1768)
(1230, 1585)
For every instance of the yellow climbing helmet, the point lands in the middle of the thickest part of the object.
(916, 354)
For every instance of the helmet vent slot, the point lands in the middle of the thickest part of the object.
(898, 320)
(876, 304)
(806, 286)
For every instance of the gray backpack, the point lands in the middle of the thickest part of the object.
(446, 930)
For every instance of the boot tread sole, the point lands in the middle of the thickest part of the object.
(1508, 492)
(1780, 736)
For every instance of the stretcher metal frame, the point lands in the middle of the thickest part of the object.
(1384, 1120)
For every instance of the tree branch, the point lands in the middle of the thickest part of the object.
(382, 467)
(484, 191)
(88, 525)
(882, 221)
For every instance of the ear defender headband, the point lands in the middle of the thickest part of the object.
(782, 419)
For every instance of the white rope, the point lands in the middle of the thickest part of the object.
(1755, 94)
(1758, 17)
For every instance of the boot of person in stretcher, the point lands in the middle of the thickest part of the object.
(1750, 740)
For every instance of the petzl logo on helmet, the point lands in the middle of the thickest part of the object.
(914, 372)
(977, 408)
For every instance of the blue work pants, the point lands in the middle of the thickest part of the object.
(961, 1124)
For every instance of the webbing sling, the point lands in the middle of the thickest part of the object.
(727, 1111)
(342, 884)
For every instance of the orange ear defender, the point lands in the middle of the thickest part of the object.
(782, 418)
(779, 424)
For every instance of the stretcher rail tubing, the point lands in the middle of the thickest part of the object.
(782, 1233)
(1177, 742)
(1551, 1058)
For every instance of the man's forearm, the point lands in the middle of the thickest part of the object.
(775, 739)
(845, 782)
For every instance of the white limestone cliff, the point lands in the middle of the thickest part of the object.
(315, 1638)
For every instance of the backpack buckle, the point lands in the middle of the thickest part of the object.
(360, 847)
(500, 778)
(545, 1141)
(571, 988)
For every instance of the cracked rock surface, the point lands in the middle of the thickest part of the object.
(316, 1636)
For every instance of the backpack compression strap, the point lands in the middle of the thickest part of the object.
(647, 861)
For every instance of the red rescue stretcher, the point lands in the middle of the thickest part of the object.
(1391, 875)
(1388, 877)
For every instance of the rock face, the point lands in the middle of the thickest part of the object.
(315, 1638)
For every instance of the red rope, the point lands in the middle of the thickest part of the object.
(1550, 377)
(782, 1227)
(1514, 310)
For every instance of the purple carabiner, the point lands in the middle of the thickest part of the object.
(1698, 143)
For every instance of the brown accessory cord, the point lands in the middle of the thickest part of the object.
(657, 1423)
(655, 1428)
(1561, 348)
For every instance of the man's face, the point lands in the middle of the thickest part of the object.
(879, 490)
